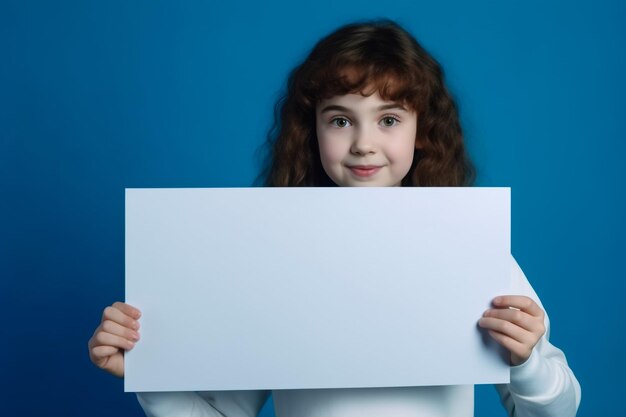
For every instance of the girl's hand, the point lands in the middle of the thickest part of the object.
(515, 322)
(116, 333)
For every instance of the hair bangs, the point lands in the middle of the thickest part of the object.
(390, 82)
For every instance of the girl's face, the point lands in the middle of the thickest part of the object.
(365, 141)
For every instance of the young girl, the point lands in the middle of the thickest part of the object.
(368, 107)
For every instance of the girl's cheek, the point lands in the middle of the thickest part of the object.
(328, 152)
(332, 145)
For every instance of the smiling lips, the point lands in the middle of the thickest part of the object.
(364, 170)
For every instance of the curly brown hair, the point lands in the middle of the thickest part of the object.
(368, 57)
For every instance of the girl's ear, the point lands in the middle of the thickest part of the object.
(418, 143)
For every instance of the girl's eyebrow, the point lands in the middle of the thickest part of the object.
(335, 107)
(392, 106)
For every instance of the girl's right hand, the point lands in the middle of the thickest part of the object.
(116, 333)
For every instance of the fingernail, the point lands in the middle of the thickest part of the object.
(497, 300)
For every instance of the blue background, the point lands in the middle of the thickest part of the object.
(99, 96)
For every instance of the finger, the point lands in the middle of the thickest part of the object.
(521, 302)
(114, 314)
(99, 353)
(107, 339)
(517, 317)
(117, 329)
(516, 348)
(128, 309)
(108, 358)
(507, 328)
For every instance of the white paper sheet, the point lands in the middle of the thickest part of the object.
(280, 288)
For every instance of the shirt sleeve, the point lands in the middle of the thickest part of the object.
(202, 404)
(544, 385)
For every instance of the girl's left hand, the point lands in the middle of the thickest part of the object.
(515, 322)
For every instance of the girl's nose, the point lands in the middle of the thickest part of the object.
(362, 142)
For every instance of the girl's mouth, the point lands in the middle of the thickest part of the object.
(364, 170)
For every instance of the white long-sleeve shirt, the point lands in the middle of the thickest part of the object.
(543, 386)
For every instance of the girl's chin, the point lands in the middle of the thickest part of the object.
(371, 183)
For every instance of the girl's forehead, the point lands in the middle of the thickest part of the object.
(358, 101)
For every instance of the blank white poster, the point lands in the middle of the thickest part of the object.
(280, 288)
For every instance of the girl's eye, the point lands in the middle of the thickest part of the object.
(340, 122)
(389, 121)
